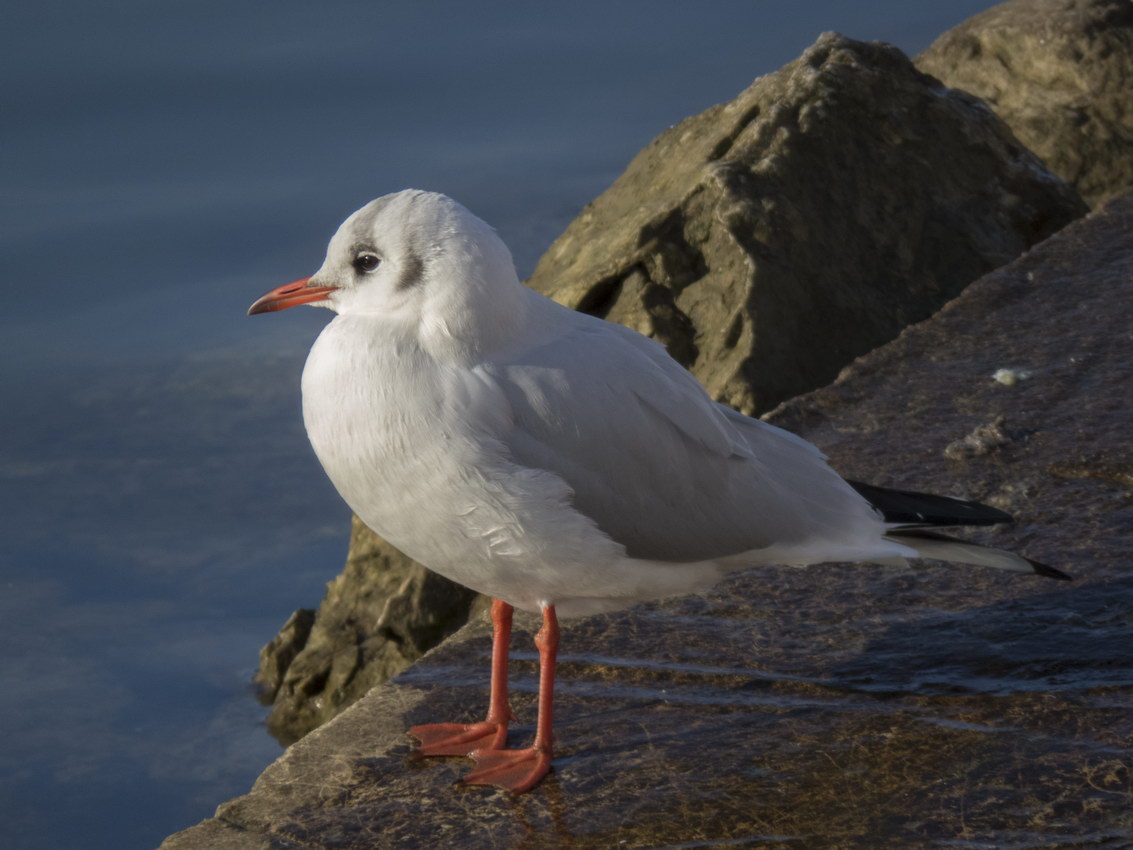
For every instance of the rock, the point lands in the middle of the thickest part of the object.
(1060, 74)
(984, 439)
(766, 242)
(280, 652)
(770, 240)
(834, 706)
(379, 616)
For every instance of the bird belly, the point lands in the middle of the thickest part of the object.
(426, 475)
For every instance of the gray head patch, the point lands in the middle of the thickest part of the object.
(365, 221)
(412, 272)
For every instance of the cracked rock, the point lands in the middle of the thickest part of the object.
(1058, 72)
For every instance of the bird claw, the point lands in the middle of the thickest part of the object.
(458, 739)
(513, 770)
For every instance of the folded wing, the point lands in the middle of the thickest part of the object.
(656, 464)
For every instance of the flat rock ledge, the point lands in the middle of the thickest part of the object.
(836, 706)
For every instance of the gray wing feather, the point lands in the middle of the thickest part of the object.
(659, 466)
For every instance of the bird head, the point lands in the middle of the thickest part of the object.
(418, 259)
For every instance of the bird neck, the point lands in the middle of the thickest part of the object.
(486, 313)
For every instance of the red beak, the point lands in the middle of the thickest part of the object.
(290, 295)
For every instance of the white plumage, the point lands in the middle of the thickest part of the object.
(540, 455)
(554, 461)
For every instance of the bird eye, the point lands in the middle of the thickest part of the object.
(366, 262)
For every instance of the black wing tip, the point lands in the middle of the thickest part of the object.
(1048, 572)
(912, 508)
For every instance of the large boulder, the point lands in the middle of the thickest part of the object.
(846, 706)
(767, 242)
(1060, 74)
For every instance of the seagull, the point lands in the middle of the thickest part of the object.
(556, 462)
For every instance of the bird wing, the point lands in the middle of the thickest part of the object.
(650, 458)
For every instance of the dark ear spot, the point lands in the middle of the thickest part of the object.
(412, 272)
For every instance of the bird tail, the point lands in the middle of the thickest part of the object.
(933, 544)
(914, 514)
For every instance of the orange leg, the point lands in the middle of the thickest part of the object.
(520, 770)
(460, 739)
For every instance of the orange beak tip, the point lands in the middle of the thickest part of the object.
(290, 295)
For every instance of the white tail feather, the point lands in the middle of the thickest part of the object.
(966, 553)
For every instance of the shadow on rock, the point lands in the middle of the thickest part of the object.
(1077, 638)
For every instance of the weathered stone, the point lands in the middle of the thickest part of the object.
(770, 240)
(1060, 74)
(766, 242)
(381, 614)
(281, 650)
(985, 438)
(836, 706)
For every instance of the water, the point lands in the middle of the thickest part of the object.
(163, 165)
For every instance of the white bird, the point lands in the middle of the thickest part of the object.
(554, 461)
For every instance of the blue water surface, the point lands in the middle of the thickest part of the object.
(163, 164)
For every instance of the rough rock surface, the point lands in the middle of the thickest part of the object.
(806, 222)
(378, 617)
(803, 223)
(1059, 73)
(836, 706)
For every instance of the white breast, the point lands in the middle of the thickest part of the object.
(411, 445)
(372, 406)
